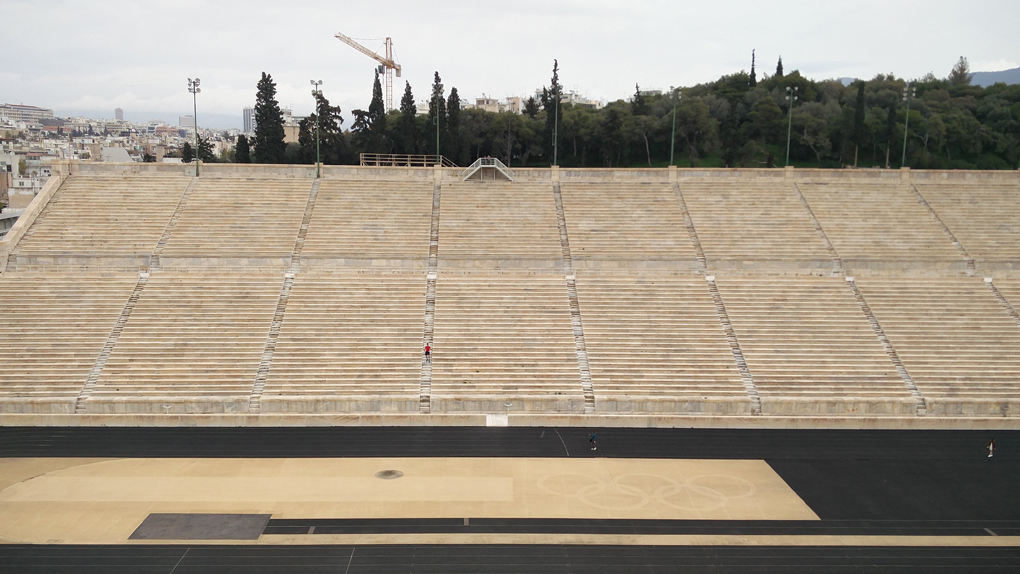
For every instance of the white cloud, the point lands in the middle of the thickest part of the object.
(993, 66)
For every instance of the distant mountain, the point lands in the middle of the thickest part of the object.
(985, 79)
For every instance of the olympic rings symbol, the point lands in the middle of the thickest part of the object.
(702, 492)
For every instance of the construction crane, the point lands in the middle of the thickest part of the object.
(388, 64)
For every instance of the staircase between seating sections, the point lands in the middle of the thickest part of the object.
(111, 342)
(575, 307)
(255, 403)
(693, 233)
(1003, 301)
(425, 392)
(837, 263)
(971, 265)
(731, 338)
(922, 409)
(154, 263)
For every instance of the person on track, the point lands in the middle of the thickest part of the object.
(991, 448)
(591, 439)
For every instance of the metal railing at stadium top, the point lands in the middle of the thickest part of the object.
(404, 160)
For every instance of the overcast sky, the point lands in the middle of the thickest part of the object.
(95, 55)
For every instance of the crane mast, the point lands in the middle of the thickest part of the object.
(388, 64)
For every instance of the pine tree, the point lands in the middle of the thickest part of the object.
(205, 151)
(332, 144)
(437, 110)
(960, 76)
(242, 153)
(453, 124)
(754, 79)
(187, 153)
(779, 68)
(638, 106)
(269, 144)
(377, 116)
(407, 124)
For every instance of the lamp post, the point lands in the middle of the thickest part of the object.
(791, 96)
(908, 94)
(195, 90)
(672, 135)
(315, 92)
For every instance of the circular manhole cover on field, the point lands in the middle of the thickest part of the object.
(389, 474)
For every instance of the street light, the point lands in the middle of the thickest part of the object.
(316, 92)
(195, 90)
(672, 136)
(791, 96)
(908, 94)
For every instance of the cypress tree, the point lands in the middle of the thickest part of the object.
(779, 68)
(453, 124)
(437, 110)
(531, 107)
(859, 112)
(269, 144)
(754, 78)
(242, 153)
(638, 106)
(187, 153)
(407, 123)
(377, 117)
(550, 101)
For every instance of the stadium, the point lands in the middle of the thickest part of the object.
(262, 303)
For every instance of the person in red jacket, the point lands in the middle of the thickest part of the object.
(428, 353)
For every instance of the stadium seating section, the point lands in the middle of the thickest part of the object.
(707, 295)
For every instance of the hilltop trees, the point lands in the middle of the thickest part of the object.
(269, 144)
(731, 121)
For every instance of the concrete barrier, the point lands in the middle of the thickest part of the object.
(28, 217)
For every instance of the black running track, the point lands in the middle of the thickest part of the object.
(858, 482)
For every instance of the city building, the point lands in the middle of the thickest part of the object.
(249, 120)
(118, 114)
(22, 113)
(186, 121)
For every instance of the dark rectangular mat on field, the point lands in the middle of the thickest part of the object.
(201, 527)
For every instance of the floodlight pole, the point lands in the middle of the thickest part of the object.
(907, 94)
(672, 135)
(195, 90)
(318, 163)
(790, 97)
